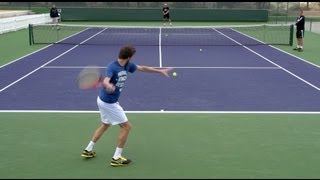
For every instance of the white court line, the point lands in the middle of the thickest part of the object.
(279, 49)
(25, 56)
(50, 61)
(310, 84)
(160, 50)
(70, 67)
(167, 112)
(226, 67)
(42, 48)
(217, 67)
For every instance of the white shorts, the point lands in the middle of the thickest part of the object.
(111, 113)
(55, 20)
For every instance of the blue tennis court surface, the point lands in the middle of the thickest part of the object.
(219, 78)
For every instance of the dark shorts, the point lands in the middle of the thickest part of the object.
(300, 34)
(167, 16)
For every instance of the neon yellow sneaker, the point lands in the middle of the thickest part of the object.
(88, 154)
(120, 161)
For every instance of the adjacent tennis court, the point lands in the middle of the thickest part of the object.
(220, 69)
(239, 107)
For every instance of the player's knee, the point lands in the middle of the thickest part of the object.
(126, 126)
(129, 126)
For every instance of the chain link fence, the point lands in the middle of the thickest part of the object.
(279, 12)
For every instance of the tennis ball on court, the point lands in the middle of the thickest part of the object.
(200, 49)
(174, 74)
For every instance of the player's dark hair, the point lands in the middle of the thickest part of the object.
(127, 52)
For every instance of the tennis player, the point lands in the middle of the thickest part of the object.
(54, 14)
(300, 31)
(166, 14)
(110, 110)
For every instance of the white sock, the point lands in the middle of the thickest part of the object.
(117, 153)
(90, 146)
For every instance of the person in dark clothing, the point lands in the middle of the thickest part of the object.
(54, 14)
(166, 14)
(300, 21)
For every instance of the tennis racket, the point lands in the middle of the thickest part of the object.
(89, 77)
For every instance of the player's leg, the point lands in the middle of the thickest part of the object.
(88, 151)
(122, 138)
(123, 135)
(166, 18)
(298, 35)
(56, 22)
(52, 21)
(103, 108)
(301, 41)
(169, 19)
(120, 118)
(118, 159)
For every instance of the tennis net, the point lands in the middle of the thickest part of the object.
(261, 34)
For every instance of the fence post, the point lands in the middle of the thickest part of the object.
(30, 35)
(287, 13)
(277, 12)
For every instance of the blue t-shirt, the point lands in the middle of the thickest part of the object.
(117, 75)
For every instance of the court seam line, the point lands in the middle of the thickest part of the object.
(216, 67)
(49, 61)
(20, 58)
(310, 84)
(160, 49)
(166, 112)
(318, 66)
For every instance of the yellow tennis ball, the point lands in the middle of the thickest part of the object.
(174, 74)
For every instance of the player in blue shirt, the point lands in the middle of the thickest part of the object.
(110, 110)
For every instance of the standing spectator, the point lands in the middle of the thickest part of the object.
(166, 14)
(300, 31)
(54, 14)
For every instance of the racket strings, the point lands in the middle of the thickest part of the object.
(89, 78)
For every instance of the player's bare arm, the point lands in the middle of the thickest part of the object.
(109, 86)
(164, 71)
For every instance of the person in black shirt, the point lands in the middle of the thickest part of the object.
(166, 14)
(54, 14)
(300, 31)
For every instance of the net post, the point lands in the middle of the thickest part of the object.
(291, 35)
(30, 34)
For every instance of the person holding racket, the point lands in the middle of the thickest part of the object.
(110, 110)
(166, 14)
